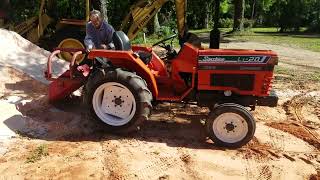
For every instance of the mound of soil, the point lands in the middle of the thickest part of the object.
(297, 130)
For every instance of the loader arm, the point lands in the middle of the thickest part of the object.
(143, 11)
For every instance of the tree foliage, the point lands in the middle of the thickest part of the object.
(21, 10)
(289, 15)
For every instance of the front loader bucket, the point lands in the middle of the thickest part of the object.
(63, 86)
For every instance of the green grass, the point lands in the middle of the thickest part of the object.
(315, 76)
(298, 75)
(264, 35)
(272, 36)
(200, 31)
(37, 154)
(283, 70)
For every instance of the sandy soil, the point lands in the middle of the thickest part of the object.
(171, 145)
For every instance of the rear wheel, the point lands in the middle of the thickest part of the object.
(119, 99)
(70, 43)
(230, 125)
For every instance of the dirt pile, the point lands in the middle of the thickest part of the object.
(22, 55)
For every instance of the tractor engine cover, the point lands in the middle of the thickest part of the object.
(244, 72)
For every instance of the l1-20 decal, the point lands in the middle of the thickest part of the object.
(234, 59)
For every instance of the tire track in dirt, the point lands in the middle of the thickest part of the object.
(156, 167)
(121, 161)
(258, 156)
(265, 172)
(259, 168)
(113, 165)
(293, 110)
(317, 109)
(294, 106)
(261, 154)
(258, 163)
(277, 140)
(187, 160)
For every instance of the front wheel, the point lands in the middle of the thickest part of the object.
(119, 99)
(230, 125)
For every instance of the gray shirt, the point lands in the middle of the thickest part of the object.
(95, 37)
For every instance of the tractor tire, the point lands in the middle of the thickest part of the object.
(230, 125)
(118, 98)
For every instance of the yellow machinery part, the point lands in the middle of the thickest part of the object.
(143, 11)
(181, 6)
(87, 10)
(71, 43)
(140, 14)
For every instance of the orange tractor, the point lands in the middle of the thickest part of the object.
(122, 85)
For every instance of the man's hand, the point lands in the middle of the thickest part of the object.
(103, 46)
(90, 46)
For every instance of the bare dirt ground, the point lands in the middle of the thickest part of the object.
(61, 142)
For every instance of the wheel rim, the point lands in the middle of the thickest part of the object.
(114, 104)
(71, 43)
(230, 127)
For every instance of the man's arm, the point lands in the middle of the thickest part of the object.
(88, 40)
(110, 31)
(109, 38)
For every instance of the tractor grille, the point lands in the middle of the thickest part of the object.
(243, 82)
(267, 85)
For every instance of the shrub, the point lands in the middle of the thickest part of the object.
(248, 23)
(226, 23)
(165, 31)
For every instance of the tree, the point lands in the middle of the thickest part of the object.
(156, 24)
(103, 9)
(238, 15)
(215, 32)
(5, 9)
(253, 9)
(289, 15)
(313, 18)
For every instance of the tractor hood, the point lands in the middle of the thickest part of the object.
(237, 56)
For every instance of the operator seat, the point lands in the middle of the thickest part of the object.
(122, 43)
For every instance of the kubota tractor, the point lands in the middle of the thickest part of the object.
(122, 85)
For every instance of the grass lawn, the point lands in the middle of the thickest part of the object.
(263, 35)
(272, 36)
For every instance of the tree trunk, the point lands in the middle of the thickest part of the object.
(216, 18)
(5, 10)
(253, 9)
(104, 10)
(215, 32)
(238, 15)
(156, 24)
(5, 4)
(208, 15)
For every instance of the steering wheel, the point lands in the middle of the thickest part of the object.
(162, 42)
(171, 53)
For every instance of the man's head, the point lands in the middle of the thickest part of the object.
(96, 18)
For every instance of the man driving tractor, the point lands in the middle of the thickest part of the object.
(122, 86)
(98, 32)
